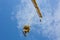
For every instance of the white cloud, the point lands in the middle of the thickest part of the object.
(49, 26)
(52, 31)
(57, 21)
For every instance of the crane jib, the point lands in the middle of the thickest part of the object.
(37, 8)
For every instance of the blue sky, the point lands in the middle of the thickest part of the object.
(8, 30)
(14, 14)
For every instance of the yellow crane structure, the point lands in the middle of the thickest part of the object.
(37, 8)
(26, 28)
